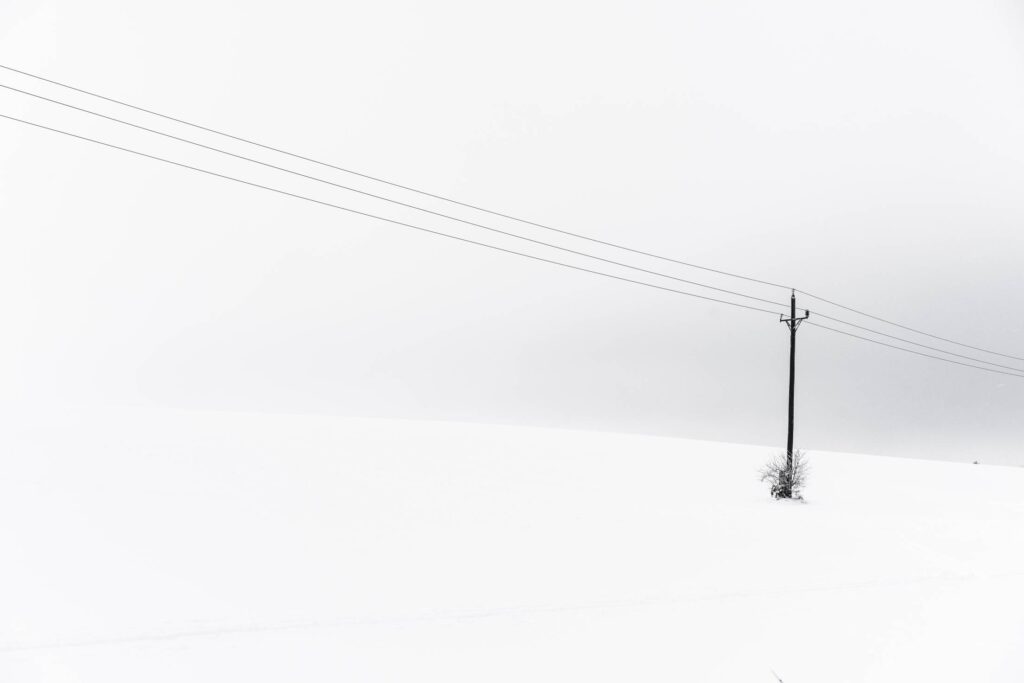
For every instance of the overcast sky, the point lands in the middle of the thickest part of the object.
(871, 152)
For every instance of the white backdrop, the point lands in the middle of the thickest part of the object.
(872, 153)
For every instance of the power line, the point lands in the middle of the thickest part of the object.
(923, 346)
(502, 232)
(392, 183)
(911, 329)
(916, 353)
(507, 233)
(492, 229)
(496, 213)
(380, 218)
(485, 227)
(481, 244)
(388, 199)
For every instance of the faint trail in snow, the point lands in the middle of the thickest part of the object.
(490, 613)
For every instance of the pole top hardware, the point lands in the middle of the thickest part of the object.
(794, 323)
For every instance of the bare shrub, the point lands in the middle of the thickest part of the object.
(786, 481)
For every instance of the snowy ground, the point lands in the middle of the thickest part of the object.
(211, 547)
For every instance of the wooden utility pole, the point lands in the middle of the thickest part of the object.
(793, 323)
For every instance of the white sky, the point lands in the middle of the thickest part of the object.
(871, 152)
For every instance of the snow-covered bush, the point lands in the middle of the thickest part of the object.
(786, 482)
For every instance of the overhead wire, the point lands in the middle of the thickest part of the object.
(911, 329)
(917, 353)
(510, 217)
(486, 227)
(389, 199)
(908, 341)
(408, 188)
(376, 217)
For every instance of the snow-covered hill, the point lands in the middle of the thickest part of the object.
(209, 547)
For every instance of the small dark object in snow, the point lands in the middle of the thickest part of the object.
(786, 483)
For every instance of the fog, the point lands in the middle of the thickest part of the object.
(871, 153)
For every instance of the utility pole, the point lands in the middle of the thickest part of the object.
(793, 323)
